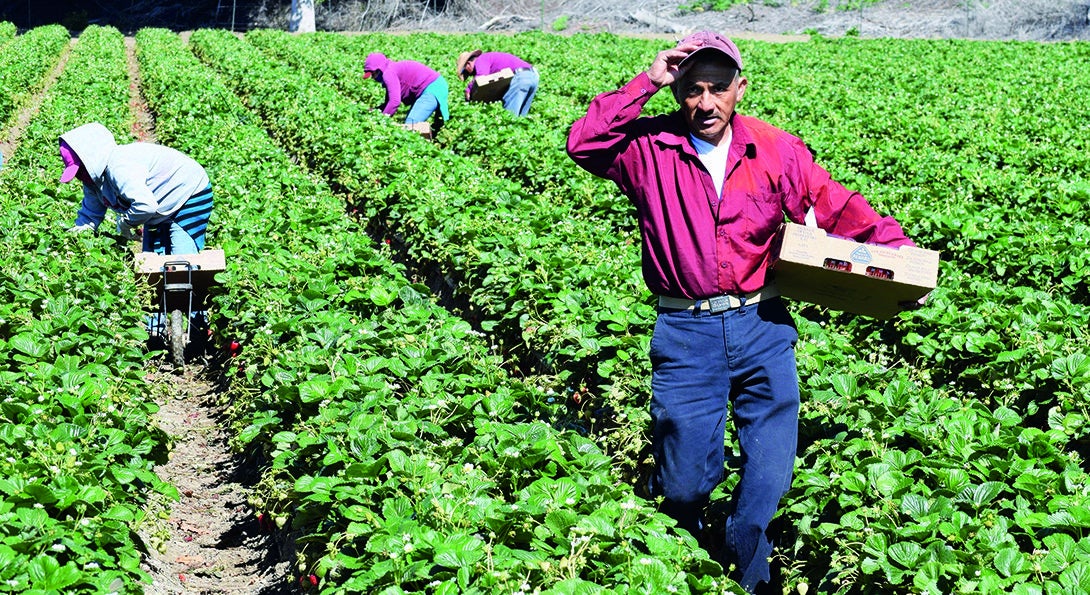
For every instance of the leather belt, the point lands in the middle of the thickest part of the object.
(719, 303)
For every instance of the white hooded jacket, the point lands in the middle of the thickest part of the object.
(142, 182)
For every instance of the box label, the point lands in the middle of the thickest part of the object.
(862, 255)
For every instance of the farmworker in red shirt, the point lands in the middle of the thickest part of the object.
(711, 187)
(149, 185)
(409, 82)
(523, 87)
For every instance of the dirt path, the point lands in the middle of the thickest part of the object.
(209, 541)
(10, 142)
(143, 126)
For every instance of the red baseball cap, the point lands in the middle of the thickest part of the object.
(711, 41)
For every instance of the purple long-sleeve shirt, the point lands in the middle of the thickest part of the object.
(697, 244)
(405, 81)
(492, 62)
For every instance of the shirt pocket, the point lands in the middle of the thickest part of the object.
(763, 213)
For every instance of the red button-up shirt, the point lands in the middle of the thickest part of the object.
(696, 243)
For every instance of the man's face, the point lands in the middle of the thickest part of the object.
(707, 94)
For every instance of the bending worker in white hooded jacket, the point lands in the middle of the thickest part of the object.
(146, 184)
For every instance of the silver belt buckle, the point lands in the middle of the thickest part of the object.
(718, 303)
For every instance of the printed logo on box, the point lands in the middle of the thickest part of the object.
(862, 255)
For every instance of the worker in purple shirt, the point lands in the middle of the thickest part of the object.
(711, 188)
(520, 94)
(413, 83)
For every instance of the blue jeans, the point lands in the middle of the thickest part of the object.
(435, 97)
(180, 241)
(701, 363)
(521, 93)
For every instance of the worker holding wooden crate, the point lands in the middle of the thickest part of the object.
(499, 75)
(711, 189)
(148, 185)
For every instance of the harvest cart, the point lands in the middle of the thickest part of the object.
(181, 285)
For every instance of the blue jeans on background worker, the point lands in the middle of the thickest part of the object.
(701, 364)
(434, 98)
(180, 242)
(520, 94)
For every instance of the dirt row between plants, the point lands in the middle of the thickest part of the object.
(209, 541)
(10, 141)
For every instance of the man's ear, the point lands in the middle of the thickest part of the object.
(742, 83)
(675, 88)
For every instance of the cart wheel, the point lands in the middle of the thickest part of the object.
(176, 337)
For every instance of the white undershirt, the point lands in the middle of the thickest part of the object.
(714, 158)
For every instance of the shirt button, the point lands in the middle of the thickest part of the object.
(724, 265)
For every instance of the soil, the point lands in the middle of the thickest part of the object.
(209, 541)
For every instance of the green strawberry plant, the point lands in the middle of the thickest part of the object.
(78, 446)
(25, 61)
